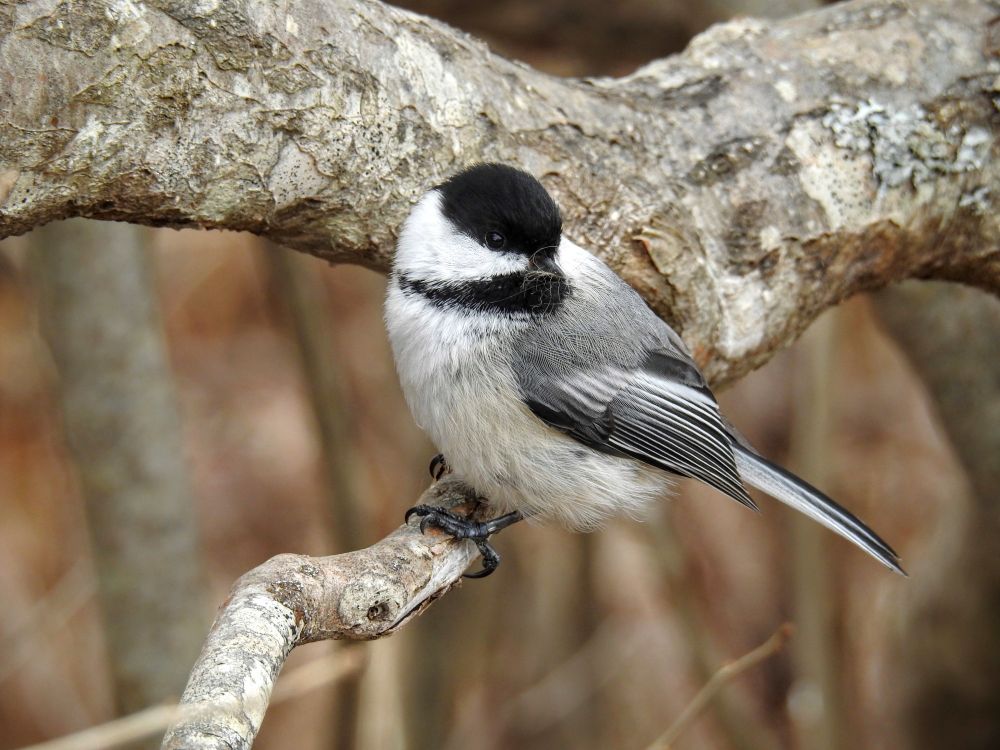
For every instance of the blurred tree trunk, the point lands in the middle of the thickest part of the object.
(121, 419)
(816, 700)
(303, 294)
(950, 650)
(739, 730)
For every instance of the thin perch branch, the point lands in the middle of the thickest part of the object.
(296, 599)
(152, 721)
(725, 674)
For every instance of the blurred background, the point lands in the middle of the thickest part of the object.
(178, 406)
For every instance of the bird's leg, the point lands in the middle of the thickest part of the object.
(439, 467)
(460, 527)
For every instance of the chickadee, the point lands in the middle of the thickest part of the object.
(546, 381)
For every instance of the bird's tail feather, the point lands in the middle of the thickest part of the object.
(792, 491)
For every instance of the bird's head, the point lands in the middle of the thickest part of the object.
(490, 220)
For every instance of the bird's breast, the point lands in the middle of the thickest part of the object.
(457, 375)
(453, 367)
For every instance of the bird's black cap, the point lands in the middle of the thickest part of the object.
(487, 198)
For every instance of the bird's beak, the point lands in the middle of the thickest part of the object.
(545, 262)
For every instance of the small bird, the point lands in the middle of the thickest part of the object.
(547, 382)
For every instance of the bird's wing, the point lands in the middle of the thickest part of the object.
(663, 413)
(660, 412)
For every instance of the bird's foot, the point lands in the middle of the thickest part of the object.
(460, 527)
(439, 467)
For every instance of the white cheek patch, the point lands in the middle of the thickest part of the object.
(571, 257)
(577, 263)
(431, 249)
(457, 256)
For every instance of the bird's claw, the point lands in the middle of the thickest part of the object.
(439, 467)
(460, 527)
(491, 559)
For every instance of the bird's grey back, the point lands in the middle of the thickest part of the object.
(573, 339)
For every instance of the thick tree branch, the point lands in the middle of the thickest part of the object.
(743, 186)
(295, 599)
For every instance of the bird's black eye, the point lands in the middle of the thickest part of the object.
(495, 240)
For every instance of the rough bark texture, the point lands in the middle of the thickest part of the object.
(295, 599)
(950, 649)
(743, 186)
(122, 425)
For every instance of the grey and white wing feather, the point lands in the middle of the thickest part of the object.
(781, 484)
(660, 412)
(663, 413)
(644, 397)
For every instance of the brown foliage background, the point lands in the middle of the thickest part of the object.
(579, 641)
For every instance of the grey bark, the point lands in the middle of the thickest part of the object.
(294, 599)
(743, 186)
(122, 426)
(950, 648)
